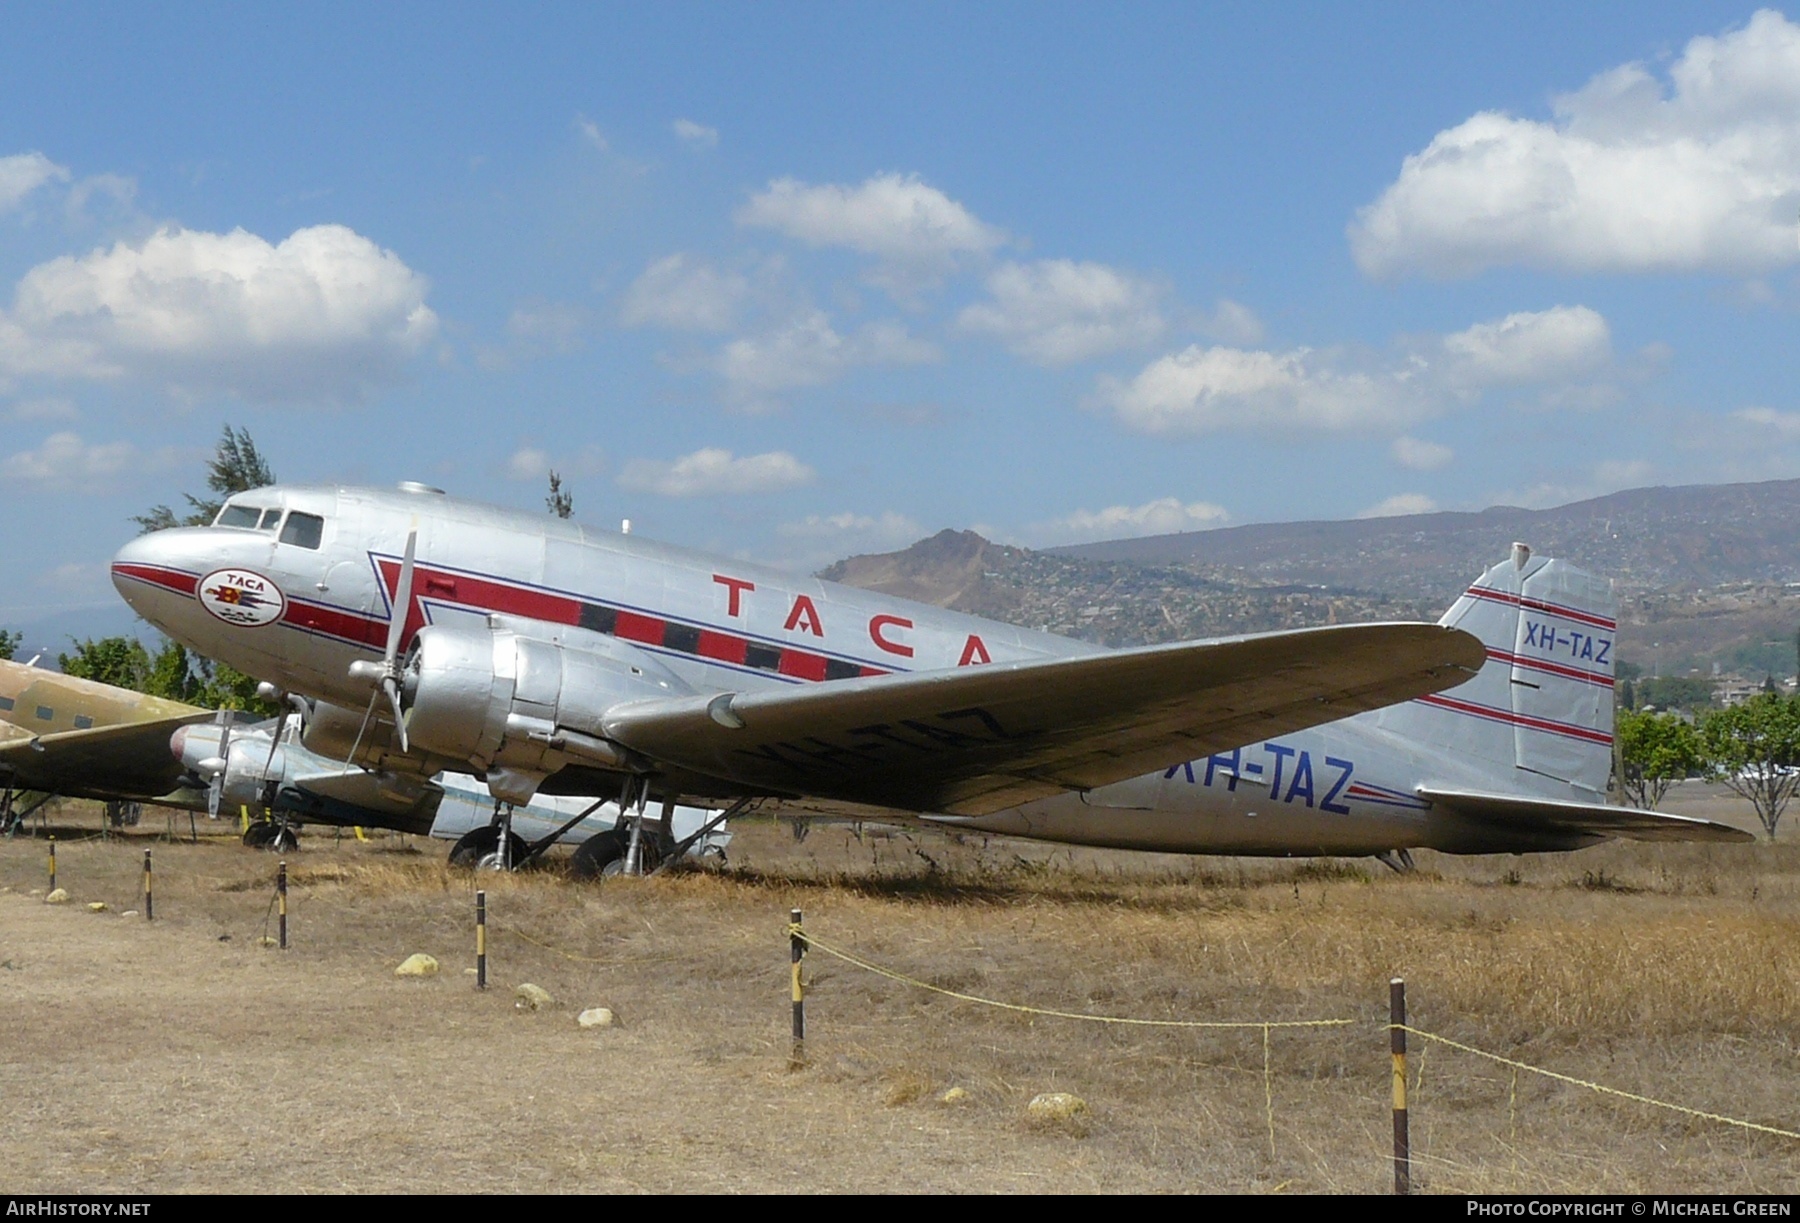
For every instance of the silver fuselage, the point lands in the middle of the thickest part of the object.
(302, 614)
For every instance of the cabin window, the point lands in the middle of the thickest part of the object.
(6, 702)
(45, 713)
(303, 530)
(238, 516)
(83, 722)
(269, 520)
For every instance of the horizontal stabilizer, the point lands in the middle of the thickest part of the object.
(974, 740)
(1540, 817)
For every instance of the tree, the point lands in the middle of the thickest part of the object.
(1753, 748)
(10, 643)
(561, 504)
(171, 673)
(120, 661)
(1656, 750)
(235, 467)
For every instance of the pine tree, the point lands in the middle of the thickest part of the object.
(235, 467)
(561, 504)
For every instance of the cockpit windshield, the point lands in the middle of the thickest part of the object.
(246, 516)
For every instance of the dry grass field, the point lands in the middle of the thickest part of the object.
(183, 1056)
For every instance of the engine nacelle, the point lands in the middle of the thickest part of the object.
(521, 696)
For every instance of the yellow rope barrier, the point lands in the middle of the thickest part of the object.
(1599, 1087)
(849, 958)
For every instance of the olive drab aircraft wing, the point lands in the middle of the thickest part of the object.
(976, 740)
(82, 739)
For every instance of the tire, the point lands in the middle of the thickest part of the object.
(283, 840)
(259, 834)
(473, 846)
(594, 856)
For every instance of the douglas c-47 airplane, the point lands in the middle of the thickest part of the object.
(434, 634)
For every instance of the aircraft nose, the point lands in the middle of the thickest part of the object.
(153, 567)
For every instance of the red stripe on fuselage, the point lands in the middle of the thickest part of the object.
(1568, 730)
(1551, 668)
(176, 580)
(1538, 605)
(492, 595)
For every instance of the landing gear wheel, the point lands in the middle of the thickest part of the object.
(283, 840)
(474, 849)
(600, 855)
(259, 834)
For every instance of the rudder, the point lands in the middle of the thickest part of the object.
(1543, 703)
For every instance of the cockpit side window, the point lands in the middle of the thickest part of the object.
(303, 530)
(245, 516)
(269, 519)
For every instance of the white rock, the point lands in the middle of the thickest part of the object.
(953, 1097)
(417, 965)
(129, 913)
(597, 1017)
(59, 897)
(97, 906)
(532, 997)
(1058, 1110)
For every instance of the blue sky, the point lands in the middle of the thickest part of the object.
(798, 281)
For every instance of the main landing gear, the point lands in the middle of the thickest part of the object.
(277, 836)
(1400, 861)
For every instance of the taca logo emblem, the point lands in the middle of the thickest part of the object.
(240, 597)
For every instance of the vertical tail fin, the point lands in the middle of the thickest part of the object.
(1543, 703)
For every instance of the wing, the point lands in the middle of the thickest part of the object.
(979, 739)
(1538, 818)
(130, 760)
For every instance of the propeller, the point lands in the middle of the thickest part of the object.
(386, 674)
(215, 785)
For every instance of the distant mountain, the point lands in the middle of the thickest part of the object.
(1687, 537)
(1702, 573)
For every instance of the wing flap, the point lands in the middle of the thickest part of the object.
(1535, 816)
(979, 739)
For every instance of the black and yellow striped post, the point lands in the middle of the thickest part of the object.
(280, 905)
(481, 940)
(52, 862)
(1397, 1033)
(149, 903)
(796, 952)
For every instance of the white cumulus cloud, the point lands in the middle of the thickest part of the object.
(809, 351)
(1205, 390)
(696, 135)
(23, 173)
(894, 217)
(714, 471)
(1784, 425)
(1302, 391)
(1164, 516)
(1231, 323)
(1551, 345)
(66, 457)
(1057, 311)
(1630, 175)
(323, 315)
(1421, 455)
(1399, 504)
(686, 294)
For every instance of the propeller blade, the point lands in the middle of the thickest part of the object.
(402, 606)
(391, 686)
(215, 787)
(274, 744)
